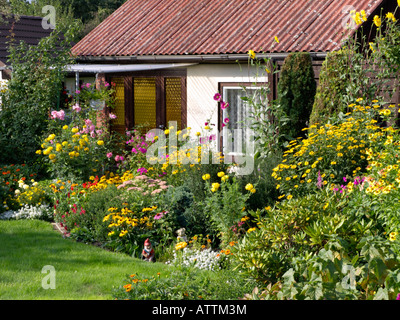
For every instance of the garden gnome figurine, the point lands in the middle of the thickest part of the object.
(148, 252)
(181, 235)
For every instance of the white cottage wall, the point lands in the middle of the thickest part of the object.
(202, 85)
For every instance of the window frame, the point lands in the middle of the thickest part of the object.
(160, 76)
(221, 87)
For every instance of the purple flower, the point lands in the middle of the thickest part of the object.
(142, 150)
(142, 170)
(134, 150)
(398, 296)
(319, 183)
(344, 179)
(112, 116)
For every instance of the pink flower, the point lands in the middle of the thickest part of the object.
(76, 107)
(142, 150)
(142, 170)
(224, 105)
(112, 116)
(109, 155)
(217, 97)
(58, 115)
(226, 120)
(78, 91)
(134, 150)
(116, 158)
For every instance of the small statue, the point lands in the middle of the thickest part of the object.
(148, 252)
(181, 235)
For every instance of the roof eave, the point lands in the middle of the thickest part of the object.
(204, 58)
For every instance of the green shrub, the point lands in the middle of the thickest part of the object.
(296, 91)
(332, 88)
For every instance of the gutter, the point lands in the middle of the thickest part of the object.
(191, 58)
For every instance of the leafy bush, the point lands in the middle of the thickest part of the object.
(38, 72)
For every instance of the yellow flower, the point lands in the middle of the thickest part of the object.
(58, 147)
(390, 16)
(198, 133)
(253, 190)
(249, 186)
(207, 128)
(363, 15)
(252, 54)
(392, 236)
(377, 21)
(289, 197)
(206, 176)
(51, 137)
(215, 186)
(276, 39)
(52, 156)
(224, 178)
(221, 174)
(100, 142)
(251, 230)
(74, 130)
(166, 131)
(38, 151)
(180, 245)
(65, 127)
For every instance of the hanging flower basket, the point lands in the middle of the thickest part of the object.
(97, 104)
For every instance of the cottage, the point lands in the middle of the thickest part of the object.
(169, 58)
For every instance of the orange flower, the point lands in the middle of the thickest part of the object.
(128, 287)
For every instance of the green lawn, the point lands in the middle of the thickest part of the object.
(82, 272)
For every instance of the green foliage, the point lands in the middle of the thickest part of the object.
(296, 91)
(183, 284)
(225, 205)
(332, 87)
(32, 92)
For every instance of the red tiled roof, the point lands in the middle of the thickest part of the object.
(166, 27)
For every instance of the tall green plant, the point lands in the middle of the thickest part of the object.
(296, 91)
